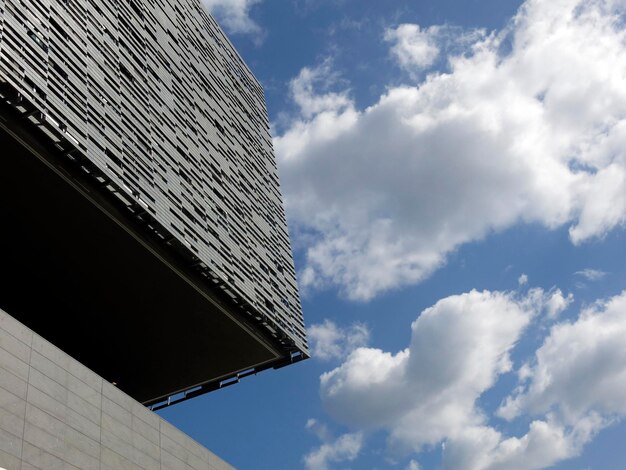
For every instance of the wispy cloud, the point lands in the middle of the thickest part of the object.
(234, 15)
(414, 47)
(345, 448)
(413, 465)
(329, 341)
(591, 274)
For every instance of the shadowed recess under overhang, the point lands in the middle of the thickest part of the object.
(73, 271)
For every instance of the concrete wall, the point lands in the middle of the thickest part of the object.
(57, 414)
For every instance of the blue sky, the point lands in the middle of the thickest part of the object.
(455, 182)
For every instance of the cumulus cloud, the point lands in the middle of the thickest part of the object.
(545, 444)
(522, 280)
(332, 342)
(429, 393)
(234, 15)
(414, 47)
(579, 373)
(507, 135)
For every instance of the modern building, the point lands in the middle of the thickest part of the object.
(56, 414)
(143, 231)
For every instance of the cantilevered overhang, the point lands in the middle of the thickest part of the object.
(86, 275)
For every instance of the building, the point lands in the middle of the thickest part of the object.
(57, 414)
(140, 198)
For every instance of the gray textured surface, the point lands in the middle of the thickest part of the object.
(155, 96)
(57, 414)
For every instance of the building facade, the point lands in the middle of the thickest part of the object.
(57, 414)
(147, 111)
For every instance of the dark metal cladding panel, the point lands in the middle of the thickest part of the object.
(154, 94)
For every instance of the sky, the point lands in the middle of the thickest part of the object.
(454, 175)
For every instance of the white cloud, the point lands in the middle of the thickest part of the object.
(414, 47)
(428, 394)
(328, 341)
(522, 280)
(234, 15)
(591, 274)
(344, 449)
(551, 303)
(319, 429)
(545, 444)
(413, 465)
(557, 303)
(580, 370)
(303, 91)
(502, 138)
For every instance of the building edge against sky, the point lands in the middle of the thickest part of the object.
(157, 192)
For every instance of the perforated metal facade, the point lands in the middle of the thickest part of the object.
(152, 100)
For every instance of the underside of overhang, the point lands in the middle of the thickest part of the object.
(79, 273)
